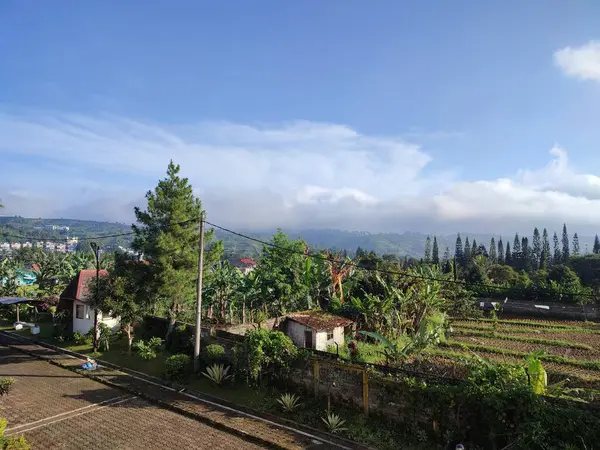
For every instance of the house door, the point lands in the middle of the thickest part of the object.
(308, 339)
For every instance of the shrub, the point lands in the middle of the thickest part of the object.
(289, 402)
(148, 349)
(5, 385)
(217, 373)
(333, 422)
(181, 340)
(82, 339)
(176, 367)
(264, 349)
(215, 353)
(104, 338)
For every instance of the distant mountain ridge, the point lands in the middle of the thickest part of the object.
(400, 244)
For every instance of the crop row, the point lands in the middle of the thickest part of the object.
(520, 338)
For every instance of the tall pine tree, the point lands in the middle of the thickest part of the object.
(526, 257)
(557, 255)
(167, 234)
(575, 245)
(467, 251)
(536, 251)
(474, 250)
(508, 255)
(516, 252)
(458, 251)
(493, 253)
(500, 252)
(565, 245)
(596, 248)
(428, 250)
(546, 255)
(435, 252)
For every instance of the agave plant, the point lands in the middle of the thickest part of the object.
(217, 373)
(333, 422)
(289, 402)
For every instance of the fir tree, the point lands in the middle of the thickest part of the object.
(446, 264)
(474, 249)
(596, 248)
(467, 251)
(575, 245)
(428, 250)
(167, 234)
(516, 252)
(458, 252)
(546, 255)
(565, 245)
(500, 252)
(435, 253)
(446, 255)
(526, 257)
(493, 256)
(557, 256)
(508, 255)
(536, 251)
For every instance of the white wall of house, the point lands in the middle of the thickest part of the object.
(320, 339)
(296, 332)
(83, 318)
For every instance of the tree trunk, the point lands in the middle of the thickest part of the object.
(129, 331)
(172, 321)
(244, 311)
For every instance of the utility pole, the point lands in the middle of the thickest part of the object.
(199, 294)
(96, 250)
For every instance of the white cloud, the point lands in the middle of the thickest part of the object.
(293, 175)
(580, 62)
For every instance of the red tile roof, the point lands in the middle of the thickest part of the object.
(319, 320)
(78, 288)
(248, 261)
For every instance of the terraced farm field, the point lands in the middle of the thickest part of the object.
(571, 350)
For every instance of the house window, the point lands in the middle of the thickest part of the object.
(330, 335)
(79, 311)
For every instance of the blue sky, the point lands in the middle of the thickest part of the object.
(345, 112)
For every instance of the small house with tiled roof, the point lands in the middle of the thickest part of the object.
(76, 299)
(316, 329)
(245, 265)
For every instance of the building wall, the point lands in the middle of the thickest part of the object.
(296, 331)
(84, 325)
(321, 341)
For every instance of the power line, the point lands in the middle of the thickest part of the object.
(379, 270)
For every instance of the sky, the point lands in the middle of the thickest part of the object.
(429, 116)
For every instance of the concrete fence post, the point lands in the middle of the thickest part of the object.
(365, 378)
(316, 376)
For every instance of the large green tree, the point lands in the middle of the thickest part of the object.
(167, 235)
(500, 252)
(281, 269)
(493, 254)
(576, 245)
(435, 252)
(428, 250)
(557, 253)
(596, 248)
(536, 249)
(458, 251)
(565, 245)
(546, 255)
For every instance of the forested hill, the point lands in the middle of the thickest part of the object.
(400, 244)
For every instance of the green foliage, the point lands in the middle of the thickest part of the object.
(333, 422)
(177, 367)
(538, 379)
(11, 443)
(5, 385)
(82, 339)
(147, 349)
(289, 402)
(214, 353)
(167, 234)
(263, 350)
(217, 373)
(104, 336)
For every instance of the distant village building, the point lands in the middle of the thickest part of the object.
(245, 265)
(316, 329)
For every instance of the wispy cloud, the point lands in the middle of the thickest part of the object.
(295, 174)
(580, 62)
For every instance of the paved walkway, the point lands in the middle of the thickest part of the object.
(136, 409)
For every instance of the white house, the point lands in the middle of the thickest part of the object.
(76, 299)
(316, 329)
